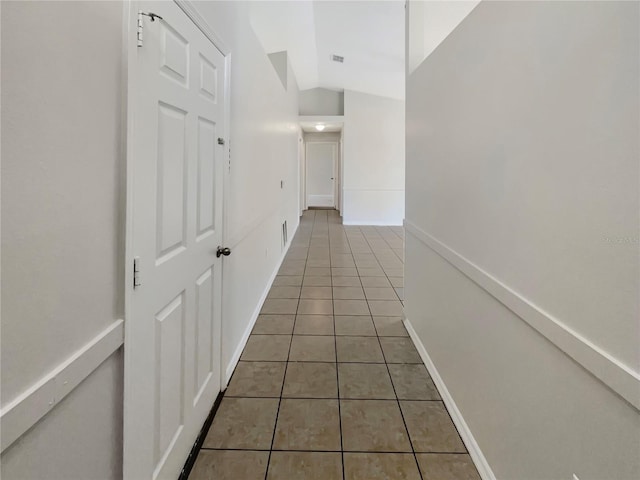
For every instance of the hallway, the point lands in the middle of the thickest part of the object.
(329, 385)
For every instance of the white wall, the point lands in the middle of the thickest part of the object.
(62, 227)
(320, 101)
(63, 215)
(522, 171)
(430, 22)
(374, 163)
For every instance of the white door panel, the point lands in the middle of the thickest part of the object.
(321, 169)
(172, 345)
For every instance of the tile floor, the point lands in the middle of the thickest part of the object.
(329, 385)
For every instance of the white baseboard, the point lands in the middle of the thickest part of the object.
(235, 358)
(465, 433)
(321, 201)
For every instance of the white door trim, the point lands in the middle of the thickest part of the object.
(130, 13)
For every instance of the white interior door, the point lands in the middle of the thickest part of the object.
(172, 337)
(321, 173)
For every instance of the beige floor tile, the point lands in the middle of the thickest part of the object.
(371, 272)
(313, 349)
(391, 263)
(355, 325)
(274, 348)
(431, 428)
(343, 263)
(397, 282)
(229, 465)
(274, 324)
(367, 263)
(351, 307)
(399, 350)
(305, 466)
(447, 467)
(311, 380)
(316, 292)
(313, 306)
(412, 382)
(245, 423)
(359, 349)
(365, 381)
(375, 282)
(394, 272)
(318, 253)
(256, 379)
(284, 292)
(314, 325)
(386, 308)
(291, 270)
(380, 466)
(378, 293)
(308, 425)
(287, 281)
(339, 281)
(317, 272)
(322, 281)
(340, 256)
(319, 256)
(324, 262)
(279, 305)
(390, 327)
(344, 272)
(348, 293)
(297, 253)
(373, 426)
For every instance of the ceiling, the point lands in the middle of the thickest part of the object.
(368, 34)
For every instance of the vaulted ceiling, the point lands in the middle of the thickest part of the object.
(368, 34)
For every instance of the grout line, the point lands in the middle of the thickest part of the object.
(284, 379)
(335, 342)
(334, 398)
(394, 452)
(404, 421)
(324, 361)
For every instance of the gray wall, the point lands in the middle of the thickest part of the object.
(62, 226)
(320, 101)
(523, 158)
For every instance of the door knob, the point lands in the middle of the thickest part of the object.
(223, 251)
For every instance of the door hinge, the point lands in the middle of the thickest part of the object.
(141, 14)
(136, 272)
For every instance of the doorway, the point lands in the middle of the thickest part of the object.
(176, 145)
(321, 172)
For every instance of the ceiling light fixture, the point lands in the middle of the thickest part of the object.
(319, 127)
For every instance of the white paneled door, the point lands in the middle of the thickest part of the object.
(172, 345)
(321, 173)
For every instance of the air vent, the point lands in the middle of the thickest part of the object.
(337, 58)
